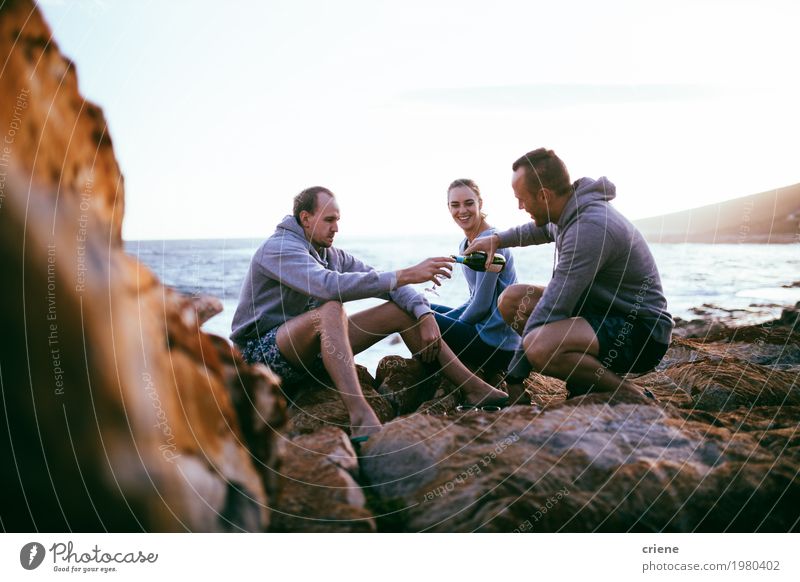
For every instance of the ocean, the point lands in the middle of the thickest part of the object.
(746, 277)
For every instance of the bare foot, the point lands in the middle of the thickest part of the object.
(479, 393)
(625, 388)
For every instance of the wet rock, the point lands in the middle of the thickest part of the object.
(320, 492)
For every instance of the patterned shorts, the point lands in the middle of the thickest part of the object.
(264, 350)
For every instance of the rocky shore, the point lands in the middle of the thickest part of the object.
(121, 414)
(717, 450)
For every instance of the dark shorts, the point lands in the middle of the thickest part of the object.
(465, 341)
(264, 350)
(625, 346)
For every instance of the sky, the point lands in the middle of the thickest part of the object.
(220, 112)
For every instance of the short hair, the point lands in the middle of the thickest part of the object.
(544, 169)
(469, 184)
(307, 200)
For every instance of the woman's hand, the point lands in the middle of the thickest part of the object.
(431, 338)
(486, 244)
(428, 270)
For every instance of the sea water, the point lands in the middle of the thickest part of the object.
(734, 276)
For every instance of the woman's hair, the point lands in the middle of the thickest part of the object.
(469, 184)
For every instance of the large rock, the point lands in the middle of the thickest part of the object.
(51, 133)
(716, 452)
(120, 411)
(320, 492)
(592, 464)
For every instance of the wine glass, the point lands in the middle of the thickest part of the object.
(432, 288)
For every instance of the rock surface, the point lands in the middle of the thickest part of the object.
(718, 451)
(405, 383)
(618, 466)
(320, 492)
(55, 136)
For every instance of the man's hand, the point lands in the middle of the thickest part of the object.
(428, 270)
(486, 244)
(431, 338)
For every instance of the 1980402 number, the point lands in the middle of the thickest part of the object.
(757, 565)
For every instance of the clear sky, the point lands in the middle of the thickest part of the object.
(220, 112)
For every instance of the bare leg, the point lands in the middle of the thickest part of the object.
(568, 350)
(516, 304)
(371, 325)
(324, 330)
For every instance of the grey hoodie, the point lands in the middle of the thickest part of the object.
(287, 277)
(604, 266)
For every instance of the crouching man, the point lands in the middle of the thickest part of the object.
(603, 313)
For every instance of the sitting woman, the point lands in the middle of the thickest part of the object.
(476, 331)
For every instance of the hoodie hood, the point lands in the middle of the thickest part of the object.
(289, 226)
(587, 193)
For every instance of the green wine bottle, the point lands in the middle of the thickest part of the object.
(477, 261)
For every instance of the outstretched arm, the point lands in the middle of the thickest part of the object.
(428, 270)
(292, 265)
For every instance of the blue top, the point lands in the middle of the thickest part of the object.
(481, 308)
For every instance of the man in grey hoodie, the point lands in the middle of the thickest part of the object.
(604, 313)
(290, 313)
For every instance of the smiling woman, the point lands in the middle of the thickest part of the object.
(476, 330)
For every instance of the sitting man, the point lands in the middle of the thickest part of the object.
(603, 313)
(290, 313)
